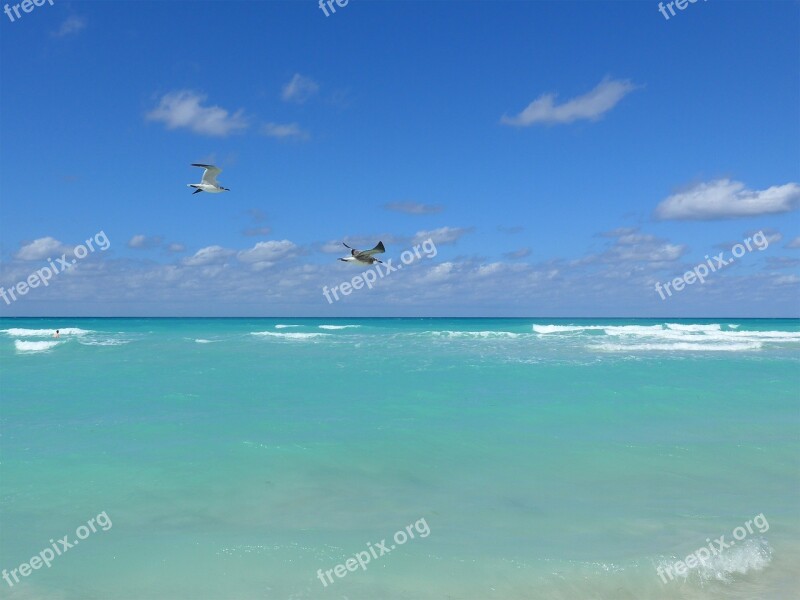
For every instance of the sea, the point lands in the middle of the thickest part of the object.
(462, 459)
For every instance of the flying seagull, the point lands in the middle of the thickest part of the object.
(365, 256)
(209, 183)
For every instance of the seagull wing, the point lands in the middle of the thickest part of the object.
(210, 174)
(379, 249)
(353, 251)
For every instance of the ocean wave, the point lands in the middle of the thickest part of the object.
(14, 332)
(289, 336)
(201, 341)
(784, 336)
(681, 327)
(633, 329)
(338, 326)
(671, 336)
(25, 346)
(285, 326)
(474, 334)
(711, 336)
(679, 346)
(107, 342)
(753, 554)
(545, 329)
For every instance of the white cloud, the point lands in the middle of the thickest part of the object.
(142, 242)
(782, 262)
(795, 243)
(590, 106)
(71, 25)
(490, 269)
(266, 254)
(176, 248)
(284, 131)
(299, 89)
(726, 199)
(443, 235)
(659, 253)
(635, 248)
(214, 284)
(42, 248)
(333, 247)
(413, 208)
(184, 109)
(439, 273)
(787, 280)
(772, 236)
(209, 255)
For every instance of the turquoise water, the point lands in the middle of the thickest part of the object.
(549, 458)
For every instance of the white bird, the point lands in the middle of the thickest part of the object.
(209, 183)
(366, 256)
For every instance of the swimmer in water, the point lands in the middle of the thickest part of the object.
(56, 334)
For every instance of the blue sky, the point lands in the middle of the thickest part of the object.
(563, 156)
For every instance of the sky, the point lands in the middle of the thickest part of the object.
(564, 159)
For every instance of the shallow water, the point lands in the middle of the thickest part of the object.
(549, 458)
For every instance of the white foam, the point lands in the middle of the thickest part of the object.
(289, 336)
(44, 332)
(633, 329)
(680, 327)
(201, 341)
(285, 326)
(680, 346)
(711, 335)
(703, 335)
(24, 346)
(475, 334)
(338, 326)
(753, 554)
(545, 329)
(702, 338)
(103, 342)
(661, 335)
(783, 336)
(732, 326)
